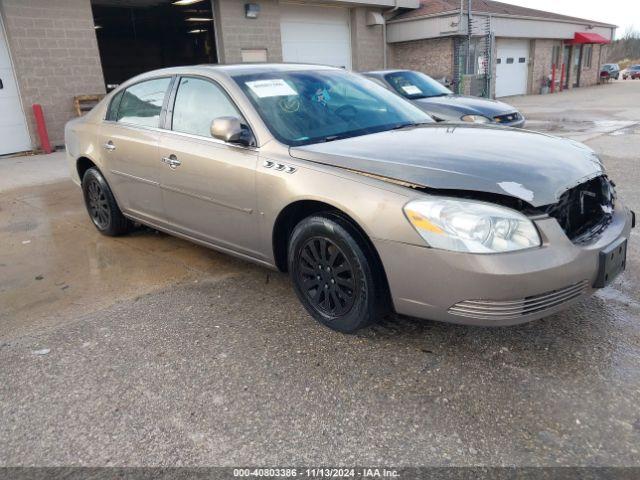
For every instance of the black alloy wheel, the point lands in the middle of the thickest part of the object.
(336, 274)
(98, 205)
(101, 205)
(326, 276)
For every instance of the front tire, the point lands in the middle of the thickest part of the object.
(335, 276)
(101, 205)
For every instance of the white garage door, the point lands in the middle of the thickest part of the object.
(316, 34)
(14, 136)
(512, 67)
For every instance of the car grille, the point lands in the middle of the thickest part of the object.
(585, 211)
(508, 118)
(513, 309)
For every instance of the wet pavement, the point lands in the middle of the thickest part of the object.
(148, 350)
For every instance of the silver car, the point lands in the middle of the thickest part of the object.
(370, 205)
(444, 105)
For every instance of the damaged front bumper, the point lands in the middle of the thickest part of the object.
(499, 289)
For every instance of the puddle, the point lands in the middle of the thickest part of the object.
(584, 129)
(633, 130)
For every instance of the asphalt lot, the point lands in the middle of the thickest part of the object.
(147, 350)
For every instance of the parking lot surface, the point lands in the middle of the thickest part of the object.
(148, 350)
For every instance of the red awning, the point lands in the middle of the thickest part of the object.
(586, 37)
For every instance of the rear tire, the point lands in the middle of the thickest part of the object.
(336, 277)
(101, 205)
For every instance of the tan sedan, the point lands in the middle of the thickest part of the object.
(370, 205)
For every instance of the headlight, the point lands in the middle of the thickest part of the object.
(475, 119)
(468, 226)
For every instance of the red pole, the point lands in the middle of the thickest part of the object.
(553, 78)
(562, 78)
(42, 128)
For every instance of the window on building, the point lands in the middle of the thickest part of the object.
(198, 102)
(509, 60)
(522, 60)
(498, 61)
(555, 56)
(141, 103)
(587, 56)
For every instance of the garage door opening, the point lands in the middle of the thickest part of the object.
(135, 36)
(512, 67)
(316, 34)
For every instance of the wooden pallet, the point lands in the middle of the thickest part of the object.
(84, 103)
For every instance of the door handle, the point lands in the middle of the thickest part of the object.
(1, 84)
(109, 146)
(172, 161)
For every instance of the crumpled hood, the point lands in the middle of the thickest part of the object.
(533, 167)
(452, 107)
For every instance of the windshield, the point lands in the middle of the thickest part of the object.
(303, 107)
(414, 85)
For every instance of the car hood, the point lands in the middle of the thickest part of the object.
(451, 107)
(533, 167)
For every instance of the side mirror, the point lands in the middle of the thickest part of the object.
(231, 130)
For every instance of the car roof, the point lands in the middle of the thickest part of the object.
(229, 71)
(243, 68)
(385, 72)
(252, 68)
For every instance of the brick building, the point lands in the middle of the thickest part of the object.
(513, 48)
(53, 50)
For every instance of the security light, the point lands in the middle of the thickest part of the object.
(186, 2)
(251, 10)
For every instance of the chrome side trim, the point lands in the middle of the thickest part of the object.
(133, 177)
(280, 167)
(206, 199)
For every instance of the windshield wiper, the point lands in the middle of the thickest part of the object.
(331, 138)
(407, 125)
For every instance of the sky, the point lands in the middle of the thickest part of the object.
(624, 13)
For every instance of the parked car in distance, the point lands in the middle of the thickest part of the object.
(369, 204)
(442, 104)
(633, 72)
(610, 70)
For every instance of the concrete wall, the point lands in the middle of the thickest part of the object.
(55, 53)
(433, 57)
(235, 32)
(367, 42)
(502, 26)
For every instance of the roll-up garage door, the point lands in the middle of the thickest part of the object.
(315, 34)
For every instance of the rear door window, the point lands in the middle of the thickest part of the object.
(141, 103)
(112, 112)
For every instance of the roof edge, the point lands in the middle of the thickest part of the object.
(558, 18)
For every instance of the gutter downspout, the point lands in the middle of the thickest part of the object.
(469, 33)
(384, 34)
